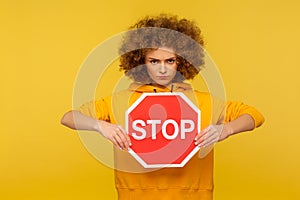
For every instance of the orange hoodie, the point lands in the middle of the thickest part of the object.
(195, 179)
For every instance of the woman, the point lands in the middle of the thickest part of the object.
(159, 54)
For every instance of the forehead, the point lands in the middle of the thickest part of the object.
(161, 53)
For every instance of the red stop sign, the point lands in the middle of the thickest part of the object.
(162, 128)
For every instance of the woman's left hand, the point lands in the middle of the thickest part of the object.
(211, 135)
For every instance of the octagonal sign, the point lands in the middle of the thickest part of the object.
(162, 128)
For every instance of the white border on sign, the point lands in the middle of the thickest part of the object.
(189, 102)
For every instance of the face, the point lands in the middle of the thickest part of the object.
(161, 65)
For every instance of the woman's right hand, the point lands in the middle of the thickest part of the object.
(115, 133)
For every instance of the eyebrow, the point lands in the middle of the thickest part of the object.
(159, 59)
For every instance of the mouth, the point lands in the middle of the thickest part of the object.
(162, 77)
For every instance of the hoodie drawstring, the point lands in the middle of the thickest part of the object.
(172, 86)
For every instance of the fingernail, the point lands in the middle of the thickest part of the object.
(130, 144)
(196, 143)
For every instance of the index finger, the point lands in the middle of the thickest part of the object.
(126, 135)
(202, 133)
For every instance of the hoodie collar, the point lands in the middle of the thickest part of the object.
(175, 87)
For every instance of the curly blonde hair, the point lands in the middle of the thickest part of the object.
(165, 30)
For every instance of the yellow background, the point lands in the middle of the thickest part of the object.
(43, 43)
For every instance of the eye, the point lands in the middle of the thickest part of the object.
(171, 61)
(154, 62)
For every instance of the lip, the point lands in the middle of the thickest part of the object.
(162, 77)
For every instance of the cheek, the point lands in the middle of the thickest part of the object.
(150, 70)
(174, 68)
(174, 71)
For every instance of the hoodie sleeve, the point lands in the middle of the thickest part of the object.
(97, 109)
(236, 109)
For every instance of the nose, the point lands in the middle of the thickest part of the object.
(162, 68)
